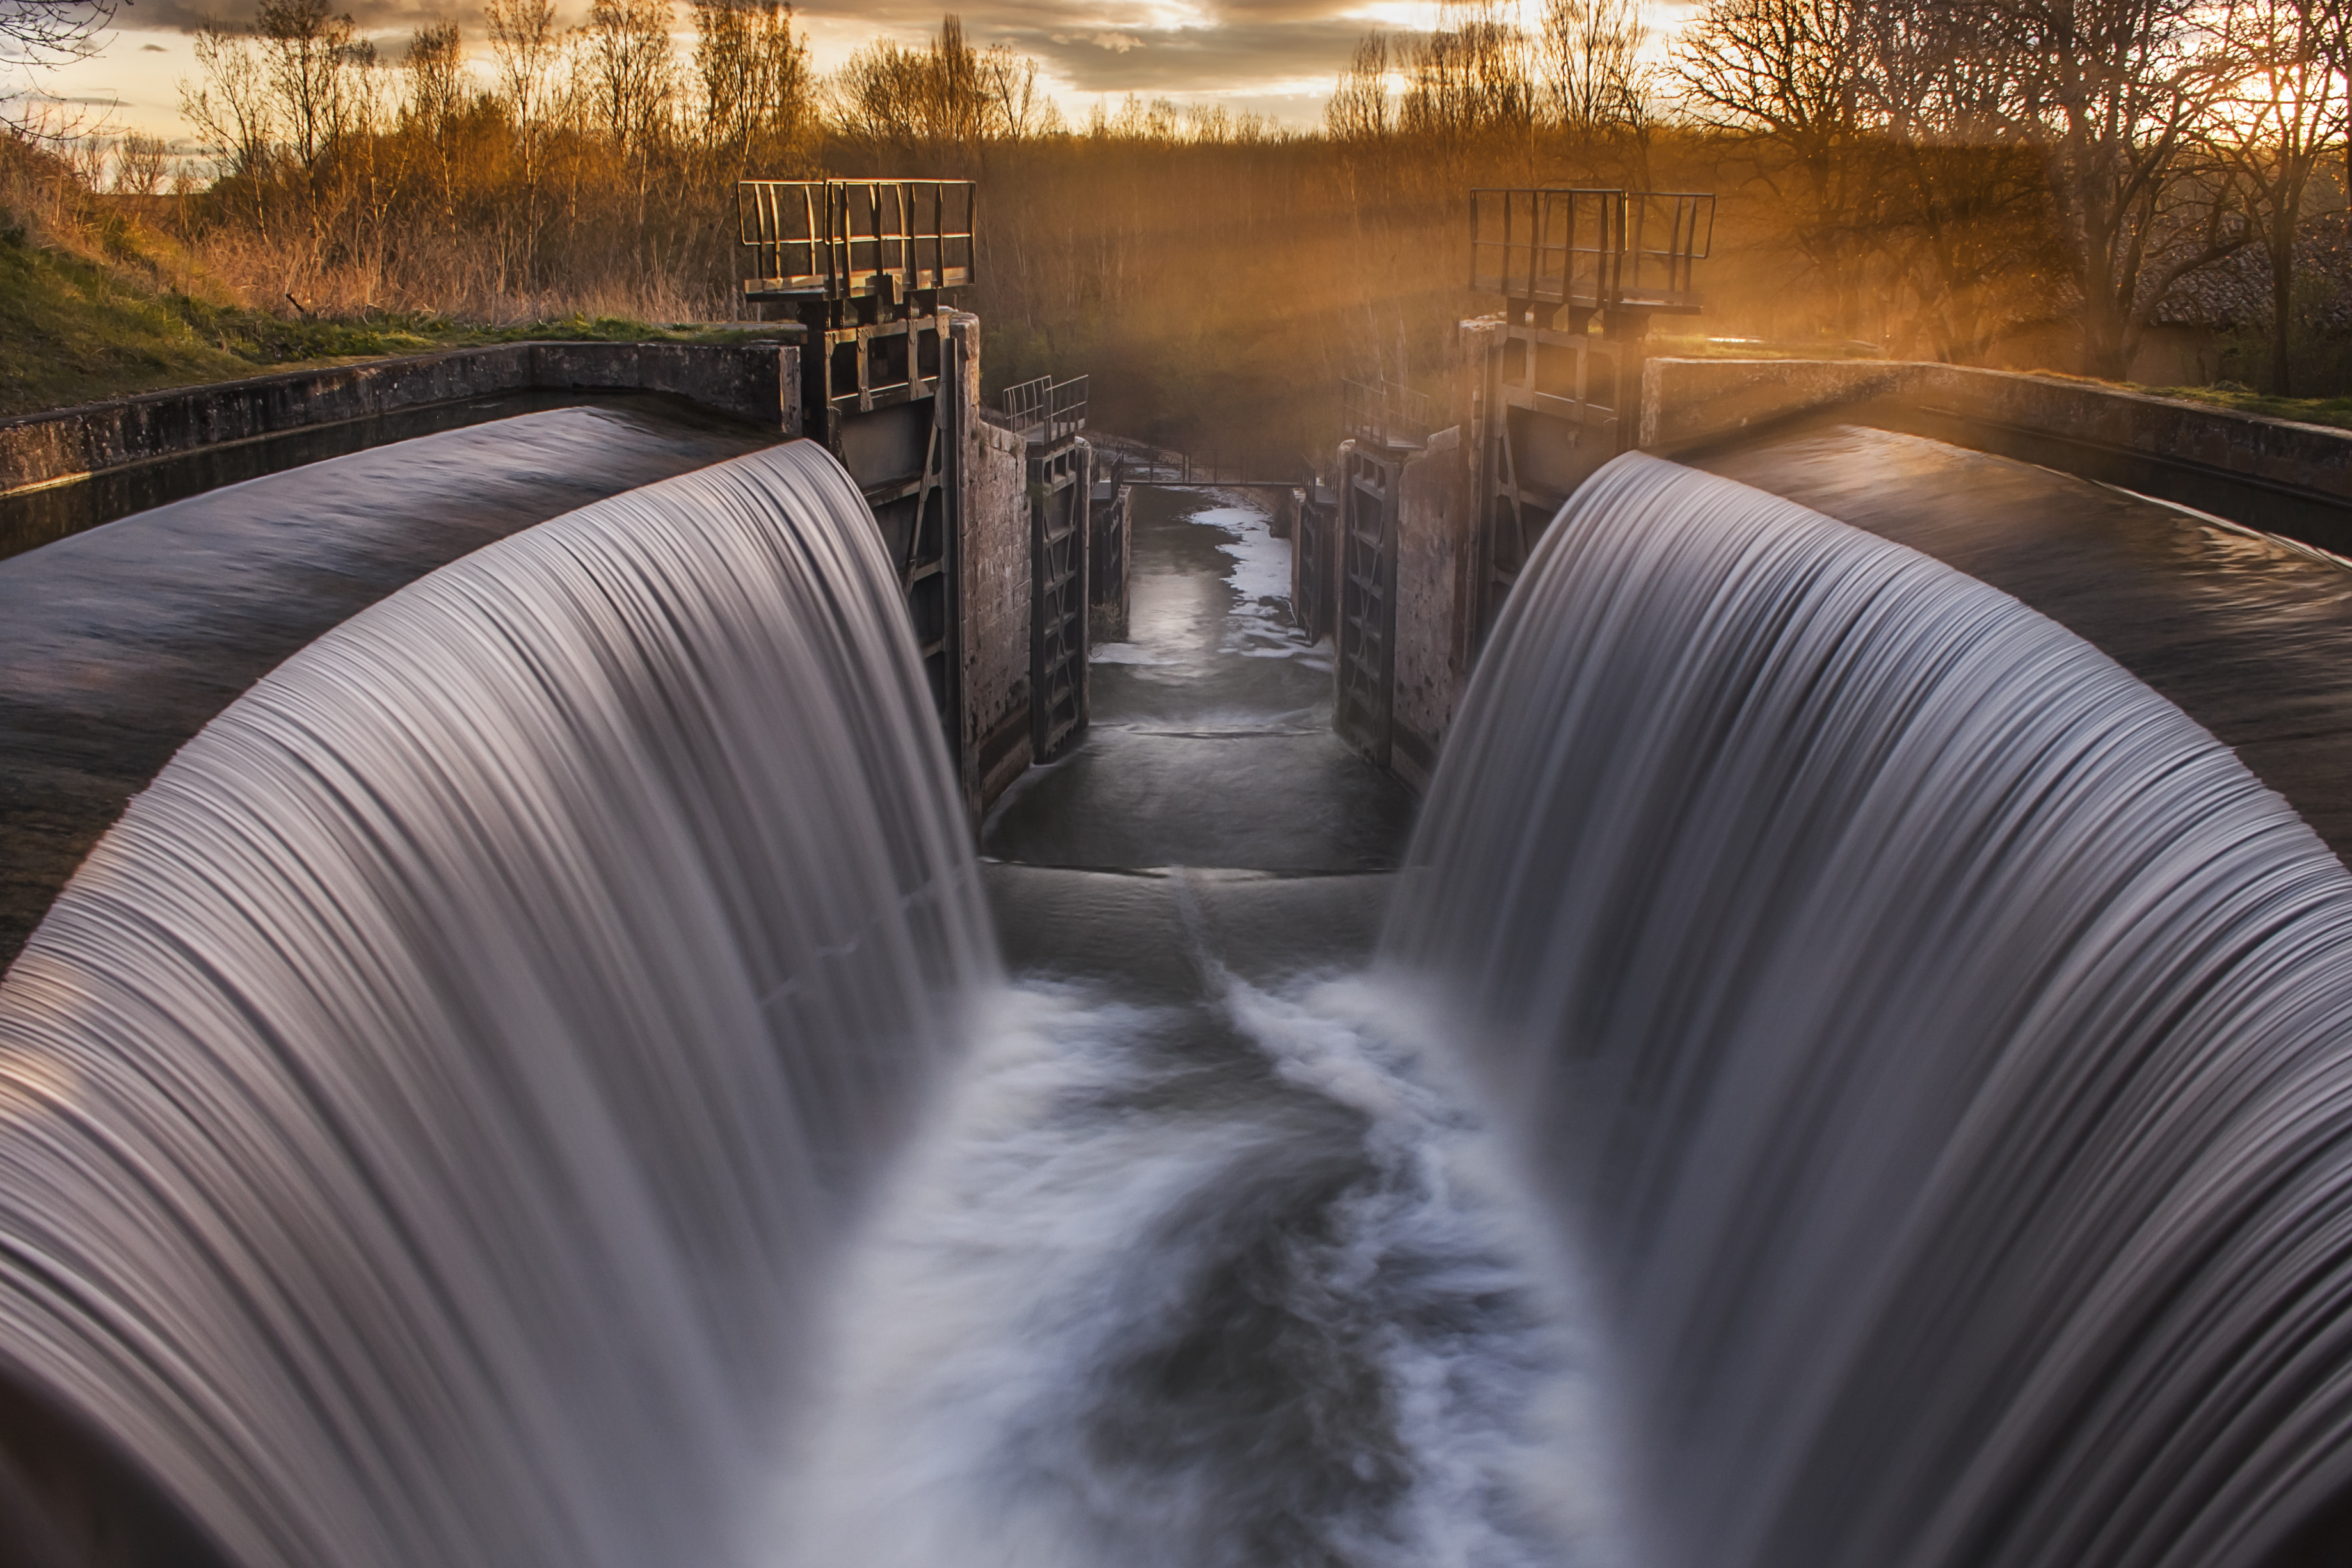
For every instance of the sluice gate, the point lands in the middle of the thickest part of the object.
(985, 510)
(869, 269)
(1428, 529)
(1051, 419)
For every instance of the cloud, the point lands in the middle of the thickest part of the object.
(154, 49)
(1235, 46)
(375, 18)
(1235, 56)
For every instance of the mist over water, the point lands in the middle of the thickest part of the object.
(1240, 1284)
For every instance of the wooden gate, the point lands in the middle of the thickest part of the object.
(1060, 483)
(1367, 600)
(1314, 564)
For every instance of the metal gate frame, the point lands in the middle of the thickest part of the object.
(1556, 404)
(867, 268)
(1314, 564)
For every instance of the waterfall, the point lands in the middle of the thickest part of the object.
(1934, 1043)
(428, 1112)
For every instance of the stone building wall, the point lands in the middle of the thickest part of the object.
(993, 566)
(1435, 611)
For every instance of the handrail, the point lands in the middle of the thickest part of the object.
(840, 240)
(1598, 249)
(1384, 414)
(1044, 409)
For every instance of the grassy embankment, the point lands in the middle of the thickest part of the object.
(80, 322)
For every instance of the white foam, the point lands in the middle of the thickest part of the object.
(1013, 1320)
(1122, 653)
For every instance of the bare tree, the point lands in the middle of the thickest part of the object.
(630, 71)
(1361, 112)
(36, 35)
(141, 162)
(945, 102)
(2281, 112)
(2111, 93)
(1470, 80)
(1023, 111)
(231, 104)
(1595, 76)
(1969, 206)
(307, 53)
(756, 90)
(1791, 77)
(527, 45)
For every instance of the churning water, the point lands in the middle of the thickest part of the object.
(450, 1120)
(1227, 1287)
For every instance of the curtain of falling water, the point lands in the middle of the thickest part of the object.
(424, 1113)
(1941, 1046)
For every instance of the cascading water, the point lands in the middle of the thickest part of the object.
(431, 1122)
(425, 1115)
(1940, 1048)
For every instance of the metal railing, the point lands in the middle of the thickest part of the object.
(1384, 414)
(1599, 249)
(839, 239)
(1046, 410)
(1216, 467)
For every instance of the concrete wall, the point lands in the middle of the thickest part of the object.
(755, 381)
(994, 590)
(2276, 475)
(1436, 610)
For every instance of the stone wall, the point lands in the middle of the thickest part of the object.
(1435, 611)
(994, 590)
(755, 381)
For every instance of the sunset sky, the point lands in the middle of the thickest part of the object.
(1277, 57)
(1274, 57)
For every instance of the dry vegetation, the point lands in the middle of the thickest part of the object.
(1981, 180)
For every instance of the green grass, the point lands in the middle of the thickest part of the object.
(72, 331)
(2335, 411)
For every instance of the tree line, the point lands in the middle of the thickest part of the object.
(1988, 163)
(1937, 176)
